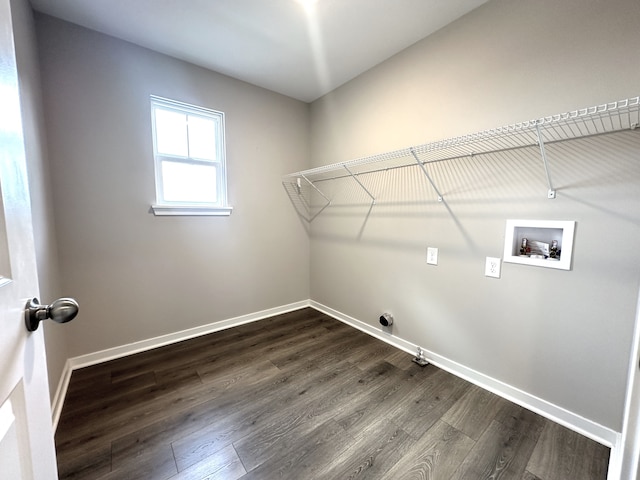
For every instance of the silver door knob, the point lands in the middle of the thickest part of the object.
(62, 310)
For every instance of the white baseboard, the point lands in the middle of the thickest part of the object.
(573, 421)
(151, 343)
(61, 393)
(548, 410)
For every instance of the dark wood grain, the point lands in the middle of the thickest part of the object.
(373, 451)
(501, 452)
(474, 411)
(301, 396)
(432, 454)
(561, 454)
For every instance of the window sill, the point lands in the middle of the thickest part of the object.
(191, 210)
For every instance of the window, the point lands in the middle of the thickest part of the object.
(189, 153)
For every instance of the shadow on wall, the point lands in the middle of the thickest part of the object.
(596, 172)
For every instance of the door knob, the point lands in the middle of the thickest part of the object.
(62, 310)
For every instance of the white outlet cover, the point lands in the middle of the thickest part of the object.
(492, 267)
(432, 255)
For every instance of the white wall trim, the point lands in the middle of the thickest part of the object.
(144, 345)
(573, 421)
(627, 460)
(151, 343)
(61, 393)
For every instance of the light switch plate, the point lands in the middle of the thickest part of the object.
(432, 255)
(492, 267)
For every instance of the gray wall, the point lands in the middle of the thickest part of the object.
(562, 336)
(39, 185)
(137, 276)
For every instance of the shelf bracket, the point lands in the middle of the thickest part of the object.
(373, 199)
(424, 170)
(551, 193)
(299, 189)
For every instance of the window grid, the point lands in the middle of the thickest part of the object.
(216, 196)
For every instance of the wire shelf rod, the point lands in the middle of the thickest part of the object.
(551, 193)
(456, 157)
(321, 194)
(424, 170)
(599, 119)
(373, 199)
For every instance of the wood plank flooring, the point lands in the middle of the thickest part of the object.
(302, 396)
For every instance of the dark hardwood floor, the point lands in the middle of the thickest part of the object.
(302, 396)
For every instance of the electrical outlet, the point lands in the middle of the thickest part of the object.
(432, 256)
(492, 267)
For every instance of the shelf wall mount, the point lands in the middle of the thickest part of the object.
(304, 201)
(373, 199)
(551, 193)
(426, 173)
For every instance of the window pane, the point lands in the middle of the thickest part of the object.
(171, 133)
(202, 138)
(183, 182)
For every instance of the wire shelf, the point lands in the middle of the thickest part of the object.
(597, 120)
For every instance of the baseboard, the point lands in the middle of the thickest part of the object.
(61, 393)
(548, 410)
(151, 343)
(573, 421)
(374, 332)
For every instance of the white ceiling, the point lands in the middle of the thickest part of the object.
(299, 51)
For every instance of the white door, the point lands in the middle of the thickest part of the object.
(629, 448)
(26, 436)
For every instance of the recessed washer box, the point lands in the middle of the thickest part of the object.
(542, 243)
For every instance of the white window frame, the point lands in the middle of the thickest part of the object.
(164, 207)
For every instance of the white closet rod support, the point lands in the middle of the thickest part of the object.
(320, 192)
(424, 170)
(551, 193)
(373, 199)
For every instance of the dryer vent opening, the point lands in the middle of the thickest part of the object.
(386, 319)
